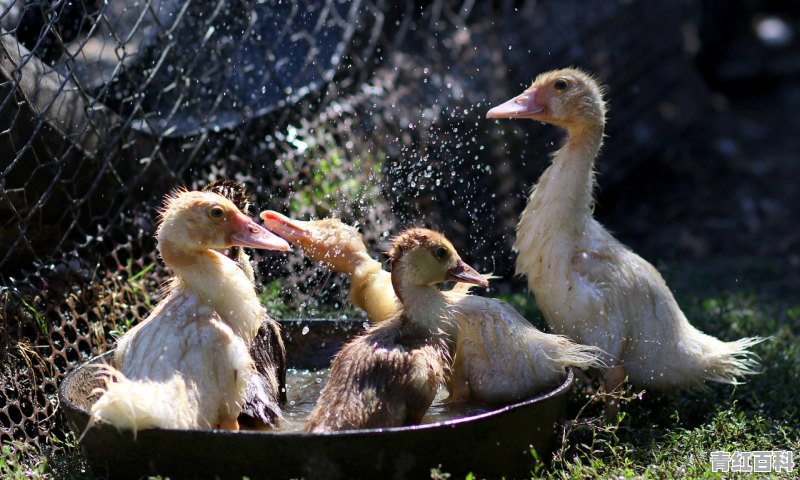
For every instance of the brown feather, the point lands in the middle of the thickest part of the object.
(385, 378)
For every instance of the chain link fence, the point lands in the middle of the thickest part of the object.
(367, 110)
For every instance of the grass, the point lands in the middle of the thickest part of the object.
(273, 296)
(21, 461)
(656, 436)
(671, 436)
(338, 183)
(38, 319)
(134, 290)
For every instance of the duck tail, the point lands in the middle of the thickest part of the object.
(571, 354)
(139, 405)
(727, 362)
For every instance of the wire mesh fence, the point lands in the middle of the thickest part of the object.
(367, 110)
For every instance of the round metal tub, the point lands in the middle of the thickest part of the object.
(495, 443)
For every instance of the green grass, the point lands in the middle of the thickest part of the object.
(21, 461)
(273, 297)
(338, 182)
(38, 319)
(671, 436)
(656, 436)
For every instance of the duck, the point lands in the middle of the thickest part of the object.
(389, 376)
(499, 357)
(187, 365)
(266, 389)
(340, 247)
(588, 285)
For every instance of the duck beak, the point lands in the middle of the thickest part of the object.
(247, 233)
(291, 230)
(521, 106)
(465, 274)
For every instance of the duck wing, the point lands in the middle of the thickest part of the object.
(266, 391)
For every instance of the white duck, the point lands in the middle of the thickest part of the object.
(587, 284)
(187, 364)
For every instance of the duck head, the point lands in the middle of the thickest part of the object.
(236, 193)
(568, 98)
(422, 257)
(330, 241)
(192, 221)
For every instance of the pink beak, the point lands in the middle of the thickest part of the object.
(248, 233)
(466, 274)
(521, 106)
(284, 226)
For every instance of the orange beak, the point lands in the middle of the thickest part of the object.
(247, 233)
(524, 105)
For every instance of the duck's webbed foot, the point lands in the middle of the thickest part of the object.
(613, 384)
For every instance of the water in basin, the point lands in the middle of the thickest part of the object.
(304, 386)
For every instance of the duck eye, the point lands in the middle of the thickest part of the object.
(439, 252)
(560, 84)
(216, 212)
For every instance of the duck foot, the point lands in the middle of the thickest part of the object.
(613, 384)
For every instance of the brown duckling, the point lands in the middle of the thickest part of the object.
(389, 376)
(587, 284)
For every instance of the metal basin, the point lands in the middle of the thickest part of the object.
(495, 443)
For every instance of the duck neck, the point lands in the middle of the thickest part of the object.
(572, 172)
(219, 282)
(368, 290)
(424, 306)
(361, 264)
(566, 186)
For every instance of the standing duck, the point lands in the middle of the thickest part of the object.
(499, 356)
(266, 390)
(587, 284)
(389, 376)
(187, 364)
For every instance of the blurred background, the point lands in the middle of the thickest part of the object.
(371, 111)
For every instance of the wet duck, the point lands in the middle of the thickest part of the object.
(187, 364)
(389, 376)
(499, 356)
(341, 248)
(587, 284)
